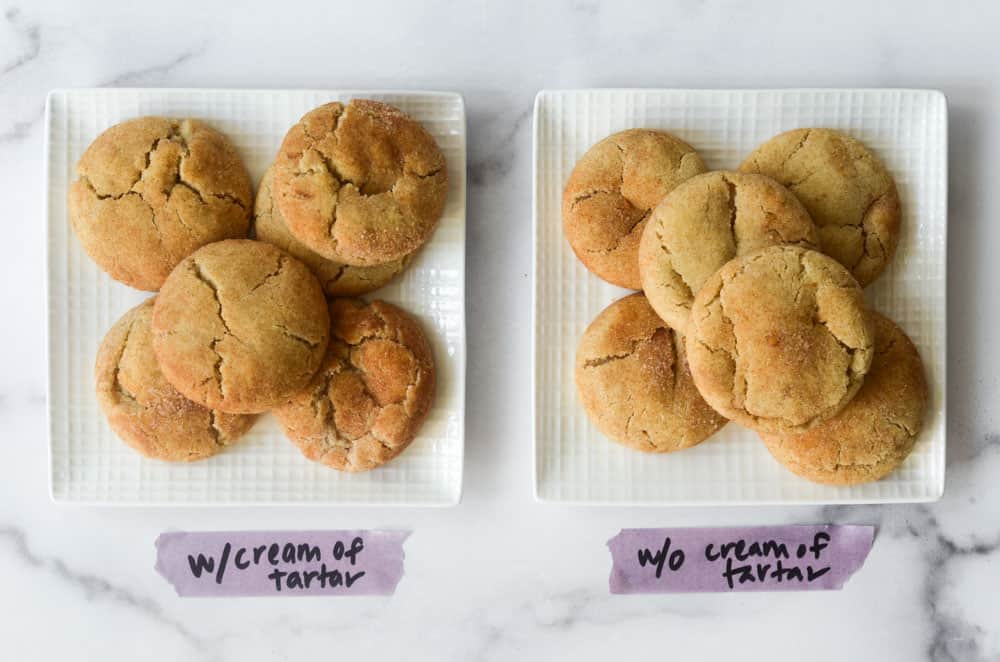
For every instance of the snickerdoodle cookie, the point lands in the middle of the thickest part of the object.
(143, 409)
(612, 190)
(876, 430)
(780, 339)
(633, 379)
(151, 191)
(707, 221)
(337, 279)
(363, 184)
(850, 195)
(240, 326)
(376, 386)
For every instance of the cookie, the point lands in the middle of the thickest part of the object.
(240, 326)
(153, 190)
(337, 279)
(850, 195)
(376, 386)
(612, 190)
(144, 410)
(876, 431)
(704, 223)
(633, 379)
(780, 339)
(362, 184)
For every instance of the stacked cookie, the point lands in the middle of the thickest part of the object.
(752, 307)
(242, 326)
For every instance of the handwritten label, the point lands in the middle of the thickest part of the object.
(281, 563)
(767, 558)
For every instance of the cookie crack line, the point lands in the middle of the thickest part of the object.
(116, 376)
(337, 276)
(850, 374)
(229, 197)
(297, 337)
(427, 175)
(776, 230)
(610, 358)
(731, 201)
(174, 137)
(214, 345)
(588, 194)
(688, 294)
(282, 259)
(795, 150)
(618, 240)
(863, 228)
(213, 429)
(85, 180)
(622, 154)
(333, 438)
(147, 157)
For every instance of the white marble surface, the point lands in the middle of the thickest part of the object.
(500, 577)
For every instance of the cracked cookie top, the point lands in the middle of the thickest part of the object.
(240, 326)
(780, 339)
(848, 192)
(876, 431)
(707, 221)
(153, 190)
(612, 190)
(376, 387)
(141, 406)
(362, 184)
(337, 279)
(633, 379)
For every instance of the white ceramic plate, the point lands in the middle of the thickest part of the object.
(90, 465)
(576, 463)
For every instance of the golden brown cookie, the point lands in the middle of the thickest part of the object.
(850, 195)
(367, 403)
(337, 279)
(780, 339)
(704, 223)
(143, 409)
(612, 190)
(363, 184)
(633, 379)
(876, 430)
(240, 326)
(152, 191)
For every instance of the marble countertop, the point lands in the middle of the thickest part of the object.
(501, 577)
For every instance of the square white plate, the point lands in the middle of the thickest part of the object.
(89, 464)
(576, 463)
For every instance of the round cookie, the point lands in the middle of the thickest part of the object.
(143, 409)
(612, 190)
(153, 190)
(633, 379)
(363, 184)
(376, 387)
(780, 339)
(850, 195)
(337, 279)
(876, 430)
(707, 221)
(240, 326)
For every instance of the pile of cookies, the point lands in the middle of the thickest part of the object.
(752, 308)
(241, 325)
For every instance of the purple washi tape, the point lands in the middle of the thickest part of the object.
(281, 563)
(765, 558)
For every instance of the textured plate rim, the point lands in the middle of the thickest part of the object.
(933, 94)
